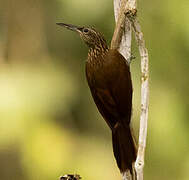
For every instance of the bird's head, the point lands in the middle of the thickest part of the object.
(89, 35)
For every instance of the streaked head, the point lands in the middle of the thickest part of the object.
(89, 35)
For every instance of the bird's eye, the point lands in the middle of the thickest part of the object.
(85, 30)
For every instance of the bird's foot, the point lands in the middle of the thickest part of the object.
(131, 58)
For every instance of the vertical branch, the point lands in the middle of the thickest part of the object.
(120, 24)
(139, 164)
(131, 14)
(125, 12)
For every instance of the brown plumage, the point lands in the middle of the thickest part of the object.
(109, 80)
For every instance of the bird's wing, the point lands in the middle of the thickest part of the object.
(120, 85)
(106, 105)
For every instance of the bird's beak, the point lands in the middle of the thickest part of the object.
(71, 27)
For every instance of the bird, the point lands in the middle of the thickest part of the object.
(109, 79)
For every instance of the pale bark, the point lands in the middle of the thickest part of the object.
(139, 164)
(122, 35)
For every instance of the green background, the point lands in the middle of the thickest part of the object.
(49, 125)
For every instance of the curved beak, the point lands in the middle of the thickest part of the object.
(71, 27)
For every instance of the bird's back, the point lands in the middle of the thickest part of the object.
(109, 79)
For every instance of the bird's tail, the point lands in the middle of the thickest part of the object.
(124, 147)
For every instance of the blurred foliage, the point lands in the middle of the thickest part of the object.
(49, 125)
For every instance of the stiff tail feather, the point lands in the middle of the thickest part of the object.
(124, 147)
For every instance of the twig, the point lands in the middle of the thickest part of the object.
(70, 177)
